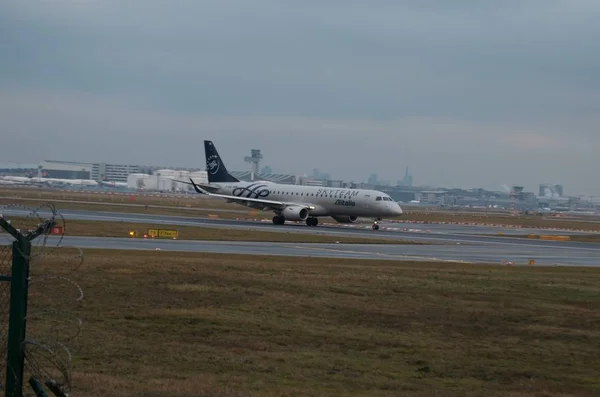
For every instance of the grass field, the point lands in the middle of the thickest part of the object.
(583, 238)
(179, 324)
(498, 219)
(203, 207)
(121, 229)
(196, 205)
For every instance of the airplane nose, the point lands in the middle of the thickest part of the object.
(399, 210)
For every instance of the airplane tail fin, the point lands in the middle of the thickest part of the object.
(215, 167)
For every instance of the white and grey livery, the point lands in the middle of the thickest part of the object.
(294, 202)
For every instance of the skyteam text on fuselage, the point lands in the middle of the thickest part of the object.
(294, 202)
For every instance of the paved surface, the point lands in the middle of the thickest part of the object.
(482, 253)
(398, 229)
(453, 245)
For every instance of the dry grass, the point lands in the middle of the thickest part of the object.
(197, 205)
(203, 207)
(506, 219)
(178, 324)
(582, 238)
(48, 194)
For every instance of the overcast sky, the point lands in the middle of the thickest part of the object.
(467, 93)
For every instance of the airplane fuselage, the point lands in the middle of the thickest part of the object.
(324, 201)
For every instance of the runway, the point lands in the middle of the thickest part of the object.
(389, 230)
(482, 253)
(244, 224)
(451, 244)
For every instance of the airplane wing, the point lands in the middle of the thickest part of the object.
(267, 203)
(204, 187)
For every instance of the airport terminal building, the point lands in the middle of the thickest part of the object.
(93, 171)
(121, 172)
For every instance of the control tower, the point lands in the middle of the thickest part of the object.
(516, 193)
(254, 159)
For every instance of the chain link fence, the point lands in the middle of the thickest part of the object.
(34, 266)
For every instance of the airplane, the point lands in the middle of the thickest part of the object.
(39, 181)
(294, 202)
(114, 184)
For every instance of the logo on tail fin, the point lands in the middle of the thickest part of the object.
(212, 164)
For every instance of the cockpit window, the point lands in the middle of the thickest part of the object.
(378, 198)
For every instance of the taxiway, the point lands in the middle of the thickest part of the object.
(453, 243)
(482, 253)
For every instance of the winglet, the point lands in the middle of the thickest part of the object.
(198, 188)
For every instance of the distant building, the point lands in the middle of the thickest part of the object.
(18, 169)
(438, 197)
(550, 191)
(81, 170)
(373, 179)
(113, 172)
(318, 175)
(164, 180)
(65, 169)
(407, 180)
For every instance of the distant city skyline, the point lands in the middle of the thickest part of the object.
(318, 174)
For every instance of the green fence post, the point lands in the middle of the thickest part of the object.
(15, 357)
(18, 312)
(37, 388)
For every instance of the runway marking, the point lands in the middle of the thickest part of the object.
(365, 254)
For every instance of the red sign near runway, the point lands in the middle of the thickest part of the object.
(56, 230)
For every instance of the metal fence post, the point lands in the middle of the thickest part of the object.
(18, 312)
(19, 283)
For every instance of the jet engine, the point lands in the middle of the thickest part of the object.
(295, 213)
(345, 219)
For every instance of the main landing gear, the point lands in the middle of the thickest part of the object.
(311, 221)
(280, 220)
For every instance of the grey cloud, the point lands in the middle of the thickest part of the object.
(483, 72)
(315, 59)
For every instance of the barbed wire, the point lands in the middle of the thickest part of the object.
(53, 295)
